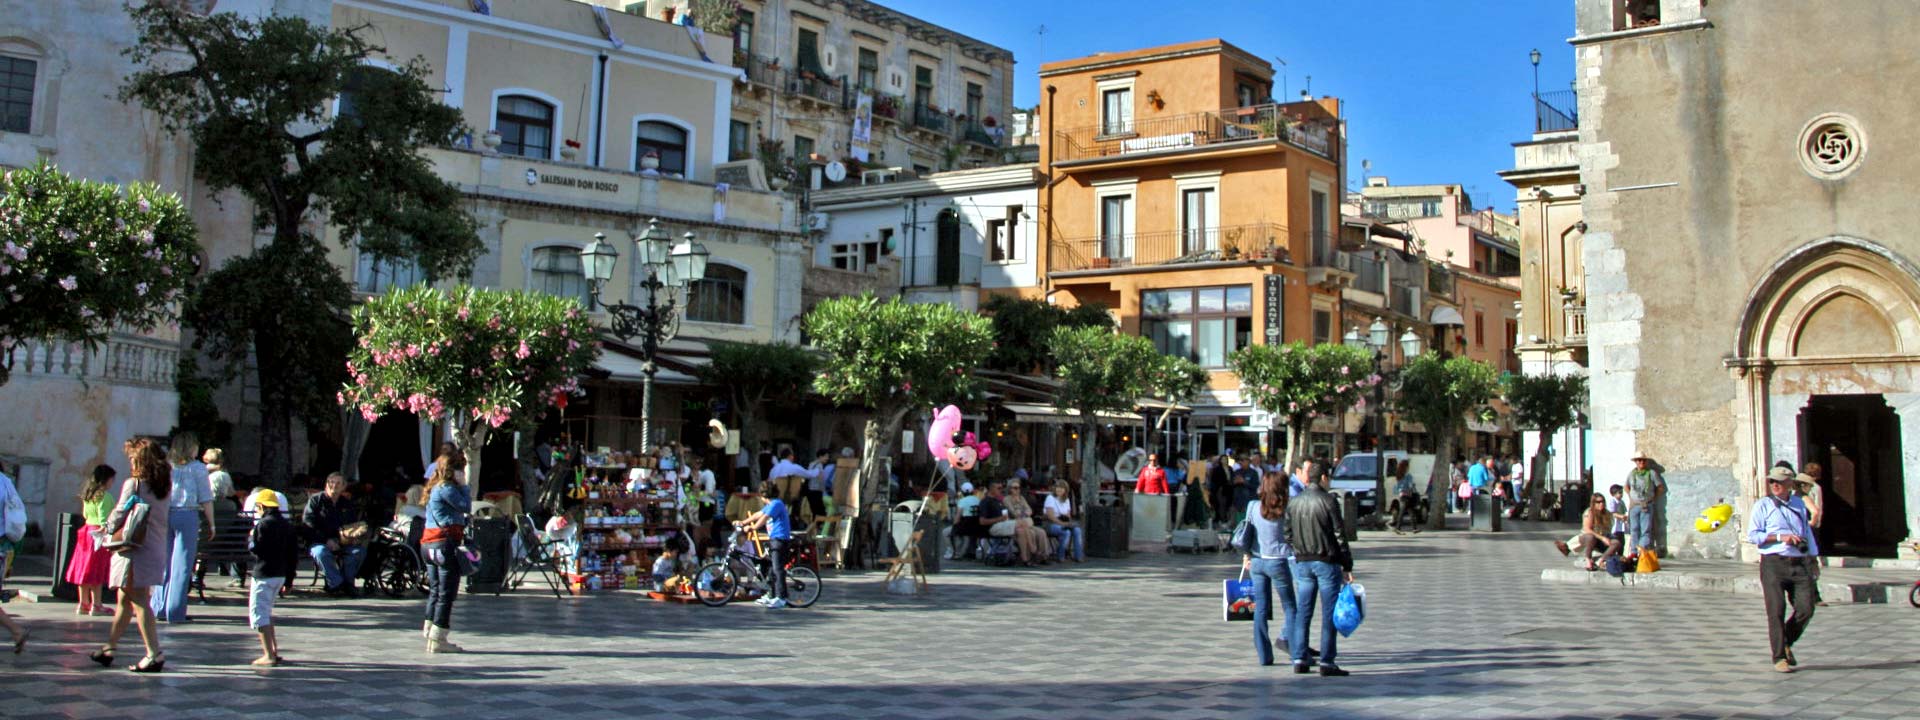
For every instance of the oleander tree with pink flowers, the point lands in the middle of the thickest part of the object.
(1298, 382)
(485, 359)
(80, 258)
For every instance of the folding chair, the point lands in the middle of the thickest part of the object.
(908, 564)
(539, 556)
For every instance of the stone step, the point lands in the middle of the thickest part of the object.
(1880, 563)
(1833, 591)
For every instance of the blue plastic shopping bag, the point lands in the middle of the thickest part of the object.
(1236, 599)
(1350, 609)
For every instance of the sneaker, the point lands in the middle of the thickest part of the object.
(777, 604)
(1333, 671)
(763, 601)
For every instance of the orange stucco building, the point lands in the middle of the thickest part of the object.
(1203, 213)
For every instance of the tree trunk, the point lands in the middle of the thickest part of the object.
(1536, 480)
(1089, 464)
(1437, 482)
(746, 443)
(882, 428)
(474, 443)
(1293, 443)
(276, 413)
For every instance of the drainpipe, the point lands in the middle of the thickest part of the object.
(1046, 229)
(600, 114)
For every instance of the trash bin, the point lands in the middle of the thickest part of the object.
(493, 537)
(64, 541)
(1350, 514)
(1109, 529)
(1486, 513)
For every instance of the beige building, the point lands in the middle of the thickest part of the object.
(1445, 224)
(855, 82)
(1751, 288)
(69, 408)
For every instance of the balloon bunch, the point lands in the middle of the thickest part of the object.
(945, 440)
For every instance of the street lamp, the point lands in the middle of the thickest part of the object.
(1375, 339)
(668, 267)
(1534, 57)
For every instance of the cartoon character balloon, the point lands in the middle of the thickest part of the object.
(945, 440)
(1713, 518)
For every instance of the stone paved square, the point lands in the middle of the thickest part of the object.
(1139, 637)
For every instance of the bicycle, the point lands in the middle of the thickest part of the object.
(717, 582)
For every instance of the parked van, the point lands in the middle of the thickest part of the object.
(1355, 474)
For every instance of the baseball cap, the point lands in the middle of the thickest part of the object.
(266, 498)
(966, 487)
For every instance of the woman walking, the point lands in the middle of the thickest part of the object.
(190, 505)
(1270, 565)
(448, 503)
(88, 569)
(137, 569)
(10, 504)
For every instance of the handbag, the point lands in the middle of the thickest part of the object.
(1649, 561)
(127, 526)
(354, 533)
(16, 516)
(1243, 538)
(1236, 599)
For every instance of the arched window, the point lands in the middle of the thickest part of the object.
(20, 70)
(720, 297)
(555, 270)
(525, 126)
(667, 140)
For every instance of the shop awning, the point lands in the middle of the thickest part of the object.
(1444, 315)
(1048, 414)
(677, 365)
(1477, 425)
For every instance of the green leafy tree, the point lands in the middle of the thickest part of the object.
(255, 96)
(756, 374)
(1022, 327)
(1544, 404)
(484, 359)
(1172, 380)
(78, 258)
(1438, 392)
(1298, 382)
(894, 357)
(1101, 371)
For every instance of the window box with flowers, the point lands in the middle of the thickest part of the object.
(570, 151)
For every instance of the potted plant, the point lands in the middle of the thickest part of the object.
(990, 122)
(570, 150)
(650, 161)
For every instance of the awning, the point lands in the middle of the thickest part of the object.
(677, 365)
(1477, 425)
(1444, 315)
(1048, 414)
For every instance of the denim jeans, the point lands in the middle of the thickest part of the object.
(1310, 579)
(169, 600)
(1640, 525)
(445, 579)
(1065, 536)
(777, 569)
(1270, 578)
(340, 567)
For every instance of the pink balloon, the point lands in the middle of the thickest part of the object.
(946, 423)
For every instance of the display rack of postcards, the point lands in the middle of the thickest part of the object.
(627, 517)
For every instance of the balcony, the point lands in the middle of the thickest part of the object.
(1329, 266)
(1250, 127)
(1237, 242)
(809, 85)
(764, 72)
(1575, 317)
(1557, 111)
(979, 135)
(1406, 301)
(1369, 273)
(927, 118)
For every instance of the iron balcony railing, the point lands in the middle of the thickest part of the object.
(816, 86)
(932, 270)
(1190, 130)
(1556, 111)
(1235, 242)
(1367, 272)
(979, 135)
(929, 118)
(763, 71)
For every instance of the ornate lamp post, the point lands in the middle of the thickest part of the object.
(669, 268)
(1375, 339)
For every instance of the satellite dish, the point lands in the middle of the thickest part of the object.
(836, 171)
(716, 433)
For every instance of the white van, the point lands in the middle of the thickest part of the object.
(1355, 474)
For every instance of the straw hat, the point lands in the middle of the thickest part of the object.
(1780, 475)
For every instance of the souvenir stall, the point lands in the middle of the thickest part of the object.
(627, 512)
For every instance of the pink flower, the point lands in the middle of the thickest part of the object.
(366, 411)
(143, 205)
(340, 397)
(1344, 370)
(69, 284)
(433, 350)
(493, 323)
(906, 387)
(523, 352)
(463, 313)
(572, 346)
(413, 351)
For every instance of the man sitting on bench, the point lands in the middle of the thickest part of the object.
(325, 515)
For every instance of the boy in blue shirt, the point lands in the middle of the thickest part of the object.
(779, 525)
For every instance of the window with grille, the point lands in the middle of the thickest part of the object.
(16, 94)
(525, 126)
(555, 270)
(720, 297)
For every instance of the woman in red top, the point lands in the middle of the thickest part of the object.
(1153, 478)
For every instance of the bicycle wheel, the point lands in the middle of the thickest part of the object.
(715, 583)
(803, 586)
(1914, 595)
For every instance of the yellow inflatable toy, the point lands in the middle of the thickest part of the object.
(1713, 518)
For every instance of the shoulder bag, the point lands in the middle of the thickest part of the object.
(127, 526)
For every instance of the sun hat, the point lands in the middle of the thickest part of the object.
(1779, 475)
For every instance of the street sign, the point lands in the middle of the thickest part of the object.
(1276, 308)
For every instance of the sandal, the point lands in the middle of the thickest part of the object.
(265, 661)
(20, 642)
(150, 664)
(104, 656)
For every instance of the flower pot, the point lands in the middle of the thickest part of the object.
(650, 162)
(491, 140)
(778, 183)
(569, 153)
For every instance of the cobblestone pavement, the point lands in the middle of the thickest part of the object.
(1459, 625)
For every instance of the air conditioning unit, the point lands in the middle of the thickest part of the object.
(817, 222)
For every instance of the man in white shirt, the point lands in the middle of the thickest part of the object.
(783, 468)
(818, 485)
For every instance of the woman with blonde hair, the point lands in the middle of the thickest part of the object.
(88, 569)
(136, 569)
(1031, 540)
(448, 503)
(189, 517)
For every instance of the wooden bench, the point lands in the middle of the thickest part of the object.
(229, 545)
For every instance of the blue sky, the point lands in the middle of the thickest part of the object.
(1435, 91)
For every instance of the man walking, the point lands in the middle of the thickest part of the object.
(1782, 532)
(1644, 488)
(1322, 565)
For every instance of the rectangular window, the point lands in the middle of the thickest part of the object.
(974, 101)
(1322, 326)
(1196, 235)
(1007, 241)
(1247, 95)
(807, 56)
(375, 276)
(883, 247)
(1204, 325)
(1113, 226)
(739, 141)
(1116, 111)
(1317, 205)
(847, 256)
(1479, 329)
(869, 69)
(922, 86)
(743, 33)
(802, 148)
(995, 228)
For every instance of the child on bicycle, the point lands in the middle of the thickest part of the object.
(779, 526)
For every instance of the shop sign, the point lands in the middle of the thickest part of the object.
(1276, 308)
(535, 177)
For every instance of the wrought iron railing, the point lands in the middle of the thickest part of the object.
(1190, 130)
(1406, 300)
(1556, 111)
(763, 71)
(979, 135)
(816, 86)
(929, 118)
(1236, 242)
